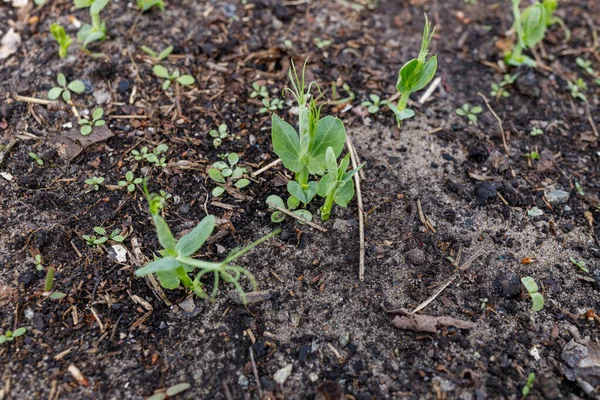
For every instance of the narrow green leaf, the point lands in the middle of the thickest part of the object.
(165, 237)
(162, 264)
(60, 78)
(191, 242)
(179, 388)
(165, 53)
(19, 332)
(242, 183)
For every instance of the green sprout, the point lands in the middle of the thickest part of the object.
(130, 181)
(415, 75)
(577, 87)
(579, 189)
(38, 261)
(499, 89)
(158, 57)
(258, 90)
(529, 385)
(97, 30)
(334, 95)
(532, 288)
(92, 240)
(534, 155)
(97, 120)
(337, 185)
(322, 44)
(65, 89)
(535, 131)
(271, 105)
(374, 103)
(162, 72)
(219, 134)
(9, 336)
(586, 65)
(95, 182)
(580, 264)
(36, 158)
(470, 112)
(227, 174)
(152, 157)
(61, 37)
(145, 5)
(48, 292)
(175, 262)
(292, 203)
(303, 152)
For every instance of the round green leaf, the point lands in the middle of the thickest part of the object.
(217, 191)
(233, 159)
(293, 202)
(186, 80)
(86, 130)
(54, 93)
(274, 199)
(304, 214)
(242, 183)
(77, 86)
(227, 172)
(277, 217)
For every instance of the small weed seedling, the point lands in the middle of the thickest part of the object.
(38, 261)
(580, 264)
(579, 189)
(292, 204)
(175, 263)
(535, 131)
(48, 292)
(220, 134)
(271, 105)
(103, 238)
(529, 385)
(577, 87)
(322, 44)
(9, 336)
(303, 152)
(97, 30)
(374, 103)
(415, 75)
(36, 158)
(532, 289)
(337, 185)
(87, 125)
(334, 95)
(65, 90)
(470, 112)
(158, 57)
(152, 157)
(162, 72)
(258, 90)
(145, 5)
(531, 156)
(130, 181)
(227, 174)
(61, 37)
(586, 65)
(500, 89)
(95, 182)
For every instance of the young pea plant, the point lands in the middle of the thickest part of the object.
(64, 90)
(577, 87)
(533, 290)
(130, 181)
(37, 159)
(374, 103)
(175, 262)
(303, 152)
(158, 57)
(470, 112)
(96, 121)
(97, 30)
(95, 182)
(292, 203)
(414, 76)
(227, 174)
(61, 37)
(103, 238)
(337, 185)
(162, 72)
(145, 5)
(48, 292)
(9, 336)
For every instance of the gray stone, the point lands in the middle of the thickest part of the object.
(416, 256)
(557, 197)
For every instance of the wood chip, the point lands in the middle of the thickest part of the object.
(425, 323)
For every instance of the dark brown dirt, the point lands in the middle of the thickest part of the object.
(321, 319)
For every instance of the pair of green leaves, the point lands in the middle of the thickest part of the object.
(536, 297)
(162, 72)
(221, 172)
(64, 90)
(9, 336)
(87, 125)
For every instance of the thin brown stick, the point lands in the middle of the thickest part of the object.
(299, 218)
(33, 100)
(266, 167)
(423, 218)
(361, 217)
(127, 116)
(589, 117)
(255, 371)
(499, 122)
(430, 90)
(6, 150)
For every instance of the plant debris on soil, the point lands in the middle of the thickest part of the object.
(454, 212)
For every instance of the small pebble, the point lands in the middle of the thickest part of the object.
(416, 256)
(281, 375)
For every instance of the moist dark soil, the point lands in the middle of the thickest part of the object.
(493, 214)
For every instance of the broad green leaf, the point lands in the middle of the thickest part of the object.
(237, 173)
(98, 113)
(304, 195)
(293, 202)
(161, 71)
(19, 332)
(426, 74)
(97, 6)
(372, 109)
(274, 199)
(476, 110)
(162, 264)
(242, 183)
(84, 31)
(233, 159)
(186, 80)
(401, 115)
(216, 175)
(534, 24)
(168, 279)
(100, 122)
(220, 165)
(407, 76)
(166, 84)
(60, 78)
(529, 284)
(375, 99)
(165, 237)
(344, 193)
(326, 184)
(461, 112)
(83, 3)
(191, 242)
(92, 37)
(3, 339)
(330, 133)
(304, 214)
(99, 230)
(54, 93)
(86, 130)
(77, 86)
(277, 217)
(330, 161)
(227, 172)
(217, 191)
(286, 144)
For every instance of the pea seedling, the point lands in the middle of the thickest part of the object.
(337, 185)
(38, 261)
(36, 158)
(470, 112)
(9, 336)
(87, 125)
(577, 87)
(95, 182)
(162, 72)
(103, 238)
(303, 152)
(97, 30)
(61, 37)
(579, 264)
(158, 57)
(48, 292)
(224, 173)
(529, 385)
(145, 5)
(65, 89)
(374, 103)
(130, 181)
(175, 263)
(292, 204)
(532, 288)
(415, 75)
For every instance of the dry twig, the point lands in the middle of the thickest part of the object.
(299, 218)
(361, 217)
(487, 103)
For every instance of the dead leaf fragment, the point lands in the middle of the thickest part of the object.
(425, 323)
(9, 44)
